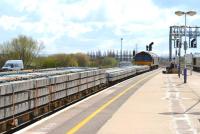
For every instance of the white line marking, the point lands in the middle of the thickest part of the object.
(176, 120)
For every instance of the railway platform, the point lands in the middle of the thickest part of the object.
(151, 103)
(163, 105)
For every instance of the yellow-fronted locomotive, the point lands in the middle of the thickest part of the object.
(147, 58)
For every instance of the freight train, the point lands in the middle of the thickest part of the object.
(26, 97)
(147, 58)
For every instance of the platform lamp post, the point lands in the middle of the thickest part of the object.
(179, 51)
(121, 50)
(180, 13)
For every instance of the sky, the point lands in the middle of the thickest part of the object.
(70, 26)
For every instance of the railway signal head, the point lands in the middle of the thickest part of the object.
(194, 43)
(147, 47)
(133, 53)
(151, 43)
(150, 46)
(177, 43)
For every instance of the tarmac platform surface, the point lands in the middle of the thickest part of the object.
(151, 103)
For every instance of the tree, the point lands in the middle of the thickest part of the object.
(45, 62)
(57, 60)
(82, 59)
(109, 62)
(71, 61)
(63, 60)
(23, 48)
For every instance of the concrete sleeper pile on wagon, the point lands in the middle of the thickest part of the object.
(31, 74)
(19, 96)
(115, 74)
(25, 96)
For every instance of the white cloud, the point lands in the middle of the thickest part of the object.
(123, 11)
(75, 29)
(138, 21)
(10, 22)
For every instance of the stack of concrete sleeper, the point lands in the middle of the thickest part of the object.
(21, 96)
(120, 73)
(141, 69)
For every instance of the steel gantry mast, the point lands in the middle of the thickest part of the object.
(177, 32)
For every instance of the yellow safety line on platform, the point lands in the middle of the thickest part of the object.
(91, 116)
